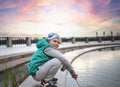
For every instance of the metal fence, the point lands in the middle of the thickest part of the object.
(10, 41)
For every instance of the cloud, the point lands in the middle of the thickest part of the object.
(83, 15)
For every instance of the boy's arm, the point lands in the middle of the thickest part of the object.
(56, 54)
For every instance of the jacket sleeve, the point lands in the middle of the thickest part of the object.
(56, 54)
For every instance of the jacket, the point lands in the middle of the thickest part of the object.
(39, 57)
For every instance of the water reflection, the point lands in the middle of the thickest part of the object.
(97, 69)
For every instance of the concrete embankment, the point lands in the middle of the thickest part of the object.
(71, 56)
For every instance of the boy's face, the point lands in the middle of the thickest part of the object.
(55, 42)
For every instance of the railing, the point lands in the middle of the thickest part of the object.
(10, 41)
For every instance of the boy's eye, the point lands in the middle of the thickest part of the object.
(56, 41)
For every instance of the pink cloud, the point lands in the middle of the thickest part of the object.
(110, 11)
(28, 7)
(7, 4)
(93, 6)
(36, 10)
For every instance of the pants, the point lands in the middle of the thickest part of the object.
(48, 70)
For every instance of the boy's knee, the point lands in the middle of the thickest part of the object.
(57, 62)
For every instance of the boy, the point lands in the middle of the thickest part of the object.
(46, 61)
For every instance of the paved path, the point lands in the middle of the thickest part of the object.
(23, 48)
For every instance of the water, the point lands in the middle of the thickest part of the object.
(97, 69)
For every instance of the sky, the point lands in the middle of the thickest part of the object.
(68, 18)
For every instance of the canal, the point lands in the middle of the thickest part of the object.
(97, 69)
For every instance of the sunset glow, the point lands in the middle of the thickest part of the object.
(66, 17)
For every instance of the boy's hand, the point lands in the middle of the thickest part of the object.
(63, 68)
(75, 76)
